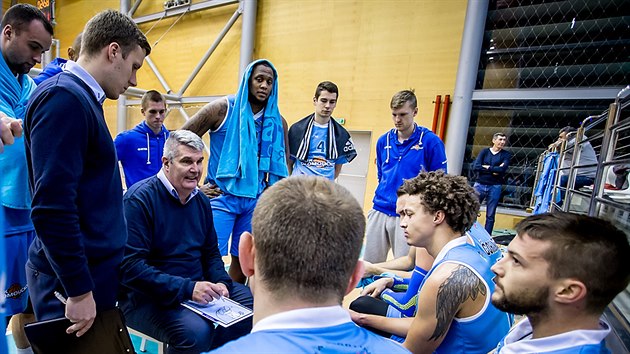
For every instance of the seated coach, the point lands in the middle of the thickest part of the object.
(172, 255)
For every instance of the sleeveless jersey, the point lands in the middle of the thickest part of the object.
(464, 333)
(217, 138)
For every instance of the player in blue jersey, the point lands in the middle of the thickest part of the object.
(302, 258)
(401, 153)
(319, 145)
(247, 153)
(561, 271)
(26, 35)
(454, 298)
(9, 130)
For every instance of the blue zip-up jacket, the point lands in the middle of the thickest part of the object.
(140, 152)
(396, 162)
(53, 68)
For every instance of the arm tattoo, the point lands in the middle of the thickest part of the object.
(205, 119)
(454, 291)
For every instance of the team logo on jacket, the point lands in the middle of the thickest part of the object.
(319, 162)
(349, 146)
(417, 147)
(15, 291)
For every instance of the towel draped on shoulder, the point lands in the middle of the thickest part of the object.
(241, 164)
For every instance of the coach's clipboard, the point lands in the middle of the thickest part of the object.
(108, 335)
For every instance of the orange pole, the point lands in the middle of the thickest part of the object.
(436, 113)
(447, 102)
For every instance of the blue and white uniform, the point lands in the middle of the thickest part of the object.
(463, 334)
(3, 277)
(247, 154)
(317, 163)
(140, 152)
(232, 214)
(583, 341)
(324, 330)
(19, 231)
(403, 297)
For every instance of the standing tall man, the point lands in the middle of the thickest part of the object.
(491, 165)
(140, 149)
(401, 153)
(73, 173)
(26, 34)
(315, 223)
(247, 153)
(319, 145)
(561, 271)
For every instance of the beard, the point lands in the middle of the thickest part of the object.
(527, 301)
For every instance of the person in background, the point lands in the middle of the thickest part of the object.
(248, 153)
(58, 64)
(140, 149)
(584, 176)
(319, 145)
(491, 165)
(561, 271)
(401, 153)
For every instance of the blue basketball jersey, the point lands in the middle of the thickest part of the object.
(3, 278)
(316, 163)
(464, 333)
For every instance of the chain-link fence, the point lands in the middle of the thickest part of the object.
(530, 126)
(540, 45)
(544, 44)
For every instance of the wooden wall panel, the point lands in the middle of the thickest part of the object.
(370, 48)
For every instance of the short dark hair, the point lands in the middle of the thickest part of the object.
(112, 26)
(308, 233)
(449, 193)
(589, 249)
(498, 134)
(263, 63)
(151, 96)
(402, 97)
(568, 130)
(19, 16)
(328, 86)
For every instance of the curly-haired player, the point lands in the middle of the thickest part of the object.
(454, 313)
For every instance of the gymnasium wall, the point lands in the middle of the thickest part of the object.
(370, 48)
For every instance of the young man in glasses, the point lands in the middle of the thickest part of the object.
(140, 149)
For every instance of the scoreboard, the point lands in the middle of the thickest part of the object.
(48, 8)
